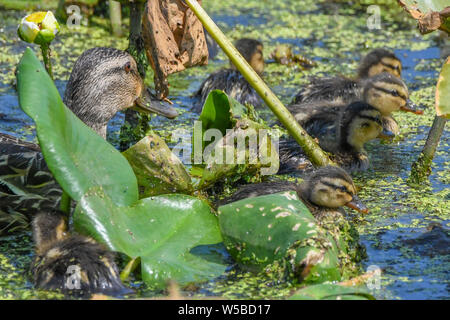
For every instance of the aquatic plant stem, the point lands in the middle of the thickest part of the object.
(135, 125)
(309, 146)
(421, 169)
(46, 54)
(129, 268)
(115, 16)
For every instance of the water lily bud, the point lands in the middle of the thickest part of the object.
(39, 27)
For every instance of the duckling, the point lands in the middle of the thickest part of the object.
(323, 191)
(330, 88)
(103, 81)
(74, 264)
(343, 134)
(231, 80)
(383, 91)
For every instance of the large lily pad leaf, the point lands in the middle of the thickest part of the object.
(160, 230)
(330, 291)
(77, 156)
(275, 228)
(157, 169)
(443, 91)
(220, 111)
(232, 156)
(430, 14)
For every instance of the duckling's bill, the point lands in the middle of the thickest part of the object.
(147, 103)
(411, 107)
(357, 205)
(386, 134)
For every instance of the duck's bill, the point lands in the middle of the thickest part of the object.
(357, 205)
(147, 103)
(411, 107)
(386, 134)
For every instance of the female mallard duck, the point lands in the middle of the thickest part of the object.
(331, 88)
(343, 134)
(323, 191)
(231, 80)
(103, 81)
(74, 264)
(383, 91)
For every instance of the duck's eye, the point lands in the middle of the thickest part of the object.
(127, 67)
(395, 93)
(365, 125)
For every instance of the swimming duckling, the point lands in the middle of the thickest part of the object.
(343, 134)
(74, 264)
(323, 191)
(231, 80)
(384, 92)
(103, 81)
(330, 88)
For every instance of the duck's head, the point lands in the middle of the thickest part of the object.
(388, 94)
(378, 61)
(48, 227)
(331, 187)
(361, 123)
(104, 81)
(252, 51)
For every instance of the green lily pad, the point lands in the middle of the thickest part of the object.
(443, 91)
(161, 230)
(78, 158)
(157, 169)
(220, 112)
(279, 228)
(330, 291)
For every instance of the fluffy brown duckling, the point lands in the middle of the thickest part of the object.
(343, 134)
(324, 191)
(330, 88)
(74, 264)
(231, 81)
(383, 91)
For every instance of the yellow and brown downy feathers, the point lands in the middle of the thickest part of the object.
(74, 264)
(231, 80)
(343, 134)
(348, 89)
(324, 190)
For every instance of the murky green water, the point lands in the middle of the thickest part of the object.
(415, 264)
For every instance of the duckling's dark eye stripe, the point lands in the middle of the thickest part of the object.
(391, 93)
(377, 120)
(390, 66)
(331, 185)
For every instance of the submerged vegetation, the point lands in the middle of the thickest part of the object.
(333, 35)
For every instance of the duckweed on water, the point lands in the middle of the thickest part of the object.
(333, 34)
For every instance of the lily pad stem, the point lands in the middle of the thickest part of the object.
(309, 146)
(46, 53)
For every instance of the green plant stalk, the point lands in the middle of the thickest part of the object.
(115, 16)
(421, 169)
(129, 268)
(309, 146)
(135, 125)
(46, 55)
